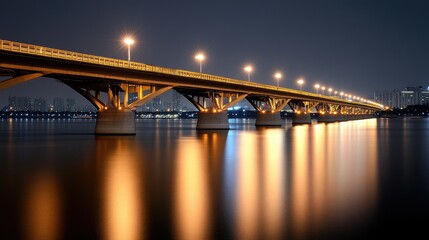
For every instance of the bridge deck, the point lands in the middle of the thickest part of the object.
(181, 78)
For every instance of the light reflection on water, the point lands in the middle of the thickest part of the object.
(122, 213)
(171, 181)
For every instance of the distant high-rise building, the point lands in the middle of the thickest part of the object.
(58, 104)
(384, 97)
(70, 104)
(176, 101)
(39, 105)
(20, 103)
(403, 98)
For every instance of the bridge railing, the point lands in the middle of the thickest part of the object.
(112, 62)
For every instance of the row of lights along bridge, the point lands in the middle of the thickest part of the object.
(200, 57)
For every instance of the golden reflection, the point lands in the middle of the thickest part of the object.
(320, 163)
(300, 180)
(247, 187)
(122, 199)
(334, 175)
(191, 205)
(273, 183)
(42, 208)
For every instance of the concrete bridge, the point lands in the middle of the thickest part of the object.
(212, 95)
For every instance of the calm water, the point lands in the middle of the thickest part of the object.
(358, 179)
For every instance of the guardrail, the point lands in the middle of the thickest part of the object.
(112, 62)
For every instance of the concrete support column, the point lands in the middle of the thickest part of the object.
(116, 122)
(212, 120)
(268, 119)
(328, 118)
(301, 118)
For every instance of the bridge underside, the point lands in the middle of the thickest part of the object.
(127, 86)
(116, 114)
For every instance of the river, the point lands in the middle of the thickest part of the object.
(358, 179)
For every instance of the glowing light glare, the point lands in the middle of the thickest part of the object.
(300, 83)
(200, 57)
(129, 41)
(248, 69)
(317, 86)
(278, 76)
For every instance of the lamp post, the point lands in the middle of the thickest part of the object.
(248, 69)
(323, 90)
(200, 57)
(278, 76)
(330, 91)
(317, 86)
(129, 41)
(300, 83)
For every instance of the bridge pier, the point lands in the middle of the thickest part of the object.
(115, 122)
(212, 120)
(328, 118)
(268, 119)
(301, 118)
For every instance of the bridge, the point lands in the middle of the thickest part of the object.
(91, 75)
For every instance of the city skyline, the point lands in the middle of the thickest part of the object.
(359, 47)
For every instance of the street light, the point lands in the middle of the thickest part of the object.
(341, 94)
(300, 83)
(317, 86)
(200, 57)
(129, 41)
(248, 69)
(323, 90)
(278, 76)
(330, 91)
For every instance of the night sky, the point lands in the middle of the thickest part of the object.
(359, 46)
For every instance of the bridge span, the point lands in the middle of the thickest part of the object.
(91, 75)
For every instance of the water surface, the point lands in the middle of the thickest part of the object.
(357, 179)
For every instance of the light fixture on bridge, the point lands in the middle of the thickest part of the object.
(278, 76)
(317, 86)
(300, 83)
(248, 69)
(323, 90)
(330, 91)
(341, 94)
(200, 57)
(129, 41)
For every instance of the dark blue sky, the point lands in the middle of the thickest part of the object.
(359, 46)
